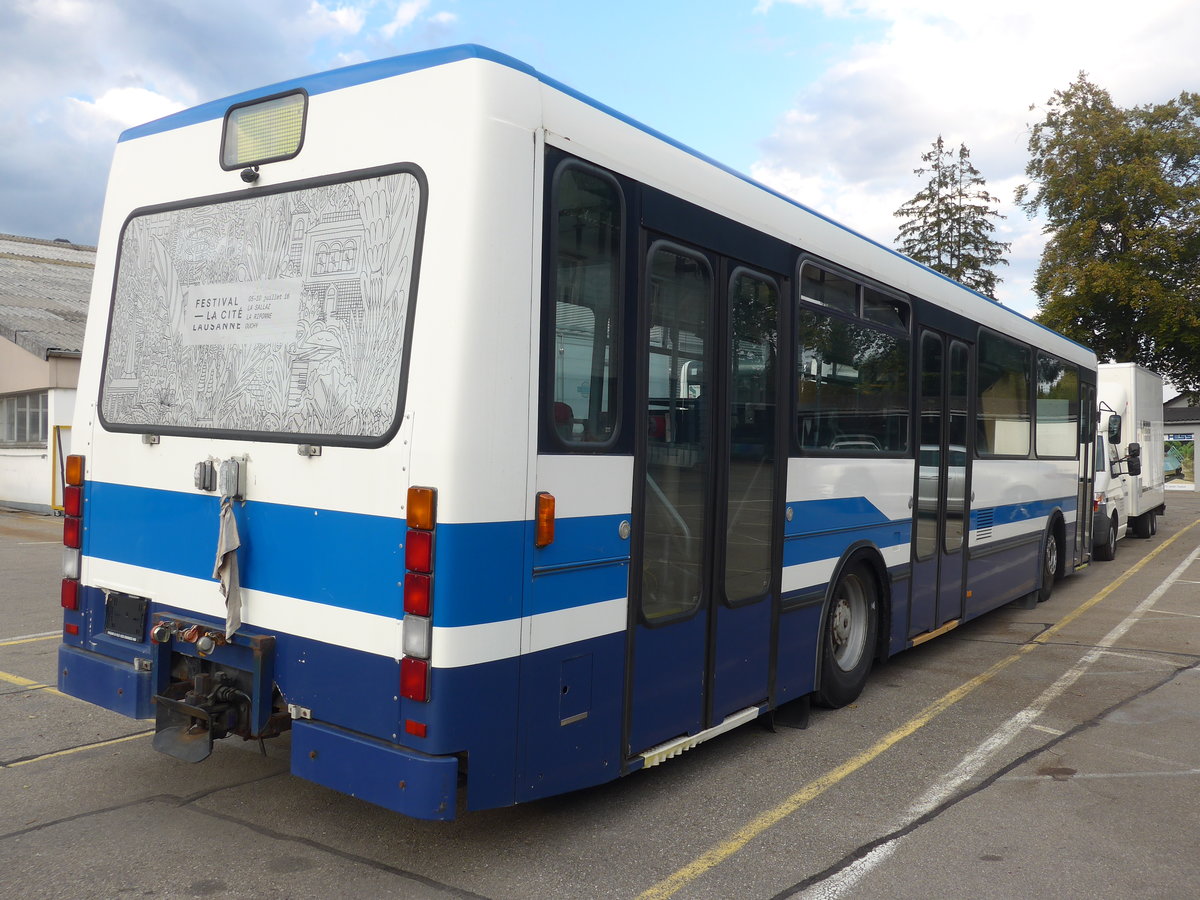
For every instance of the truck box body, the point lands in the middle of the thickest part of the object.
(1130, 403)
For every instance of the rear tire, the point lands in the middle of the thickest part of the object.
(1142, 525)
(1153, 523)
(848, 637)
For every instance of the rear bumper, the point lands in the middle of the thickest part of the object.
(105, 681)
(396, 778)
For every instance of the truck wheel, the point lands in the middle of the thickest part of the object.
(1108, 550)
(1142, 525)
(1153, 524)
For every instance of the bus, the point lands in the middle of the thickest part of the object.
(489, 444)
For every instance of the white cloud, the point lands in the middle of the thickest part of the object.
(347, 20)
(968, 72)
(117, 109)
(406, 13)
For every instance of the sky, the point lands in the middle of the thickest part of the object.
(831, 102)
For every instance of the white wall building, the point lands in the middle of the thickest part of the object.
(44, 288)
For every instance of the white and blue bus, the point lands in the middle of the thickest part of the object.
(494, 445)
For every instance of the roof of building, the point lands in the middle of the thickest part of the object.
(44, 289)
(1181, 414)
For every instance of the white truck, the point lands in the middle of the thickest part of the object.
(1130, 493)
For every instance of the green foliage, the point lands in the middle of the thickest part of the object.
(948, 225)
(1120, 193)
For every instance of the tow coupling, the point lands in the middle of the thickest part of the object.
(211, 687)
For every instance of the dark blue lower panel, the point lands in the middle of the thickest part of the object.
(799, 633)
(104, 681)
(570, 729)
(999, 578)
(395, 778)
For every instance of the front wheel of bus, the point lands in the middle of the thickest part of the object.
(848, 637)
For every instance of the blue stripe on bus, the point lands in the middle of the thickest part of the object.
(1012, 513)
(353, 560)
(819, 516)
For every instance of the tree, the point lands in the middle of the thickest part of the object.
(948, 224)
(1120, 193)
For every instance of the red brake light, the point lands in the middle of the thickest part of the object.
(73, 500)
(418, 552)
(416, 593)
(414, 679)
(73, 532)
(70, 594)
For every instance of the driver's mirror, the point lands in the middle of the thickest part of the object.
(1114, 429)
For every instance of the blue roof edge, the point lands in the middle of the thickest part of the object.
(375, 70)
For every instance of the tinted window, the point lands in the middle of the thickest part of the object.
(1002, 418)
(1057, 429)
(586, 219)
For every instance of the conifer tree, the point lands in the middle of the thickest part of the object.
(948, 225)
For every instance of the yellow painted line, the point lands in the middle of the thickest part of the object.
(58, 753)
(748, 832)
(29, 683)
(57, 636)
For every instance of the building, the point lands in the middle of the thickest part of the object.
(1181, 426)
(44, 289)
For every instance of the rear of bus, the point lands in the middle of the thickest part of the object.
(277, 490)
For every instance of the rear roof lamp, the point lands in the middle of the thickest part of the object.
(263, 131)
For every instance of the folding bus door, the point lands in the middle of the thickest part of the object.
(942, 499)
(706, 493)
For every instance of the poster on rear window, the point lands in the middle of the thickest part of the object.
(259, 312)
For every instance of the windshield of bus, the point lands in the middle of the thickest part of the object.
(283, 315)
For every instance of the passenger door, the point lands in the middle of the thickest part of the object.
(706, 493)
(942, 499)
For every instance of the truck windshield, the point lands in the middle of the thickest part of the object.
(279, 315)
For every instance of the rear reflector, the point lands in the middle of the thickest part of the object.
(70, 594)
(71, 628)
(418, 552)
(414, 679)
(73, 500)
(73, 532)
(419, 729)
(417, 593)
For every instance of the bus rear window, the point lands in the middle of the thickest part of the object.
(283, 316)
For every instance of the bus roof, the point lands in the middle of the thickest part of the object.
(377, 70)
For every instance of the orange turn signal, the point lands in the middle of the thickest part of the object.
(543, 528)
(74, 470)
(422, 508)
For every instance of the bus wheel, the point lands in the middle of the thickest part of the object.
(1108, 550)
(1051, 560)
(848, 637)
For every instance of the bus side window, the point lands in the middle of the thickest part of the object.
(586, 242)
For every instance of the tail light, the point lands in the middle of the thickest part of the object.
(417, 638)
(72, 537)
